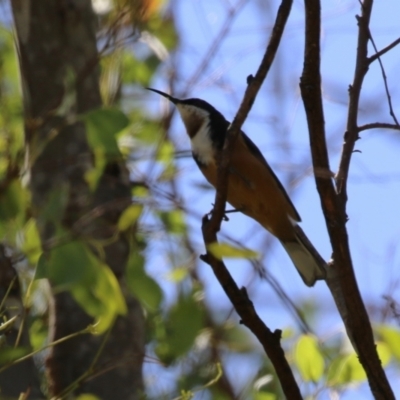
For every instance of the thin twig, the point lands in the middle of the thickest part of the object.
(383, 51)
(389, 97)
(361, 69)
(212, 51)
(378, 125)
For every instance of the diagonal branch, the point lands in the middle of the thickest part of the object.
(361, 69)
(249, 317)
(389, 98)
(380, 53)
(341, 279)
(243, 306)
(244, 109)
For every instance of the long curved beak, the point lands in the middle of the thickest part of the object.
(170, 98)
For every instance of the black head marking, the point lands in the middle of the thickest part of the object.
(218, 124)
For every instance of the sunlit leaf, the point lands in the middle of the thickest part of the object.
(384, 352)
(309, 359)
(102, 299)
(390, 336)
(174, 221)
(87, 396)
(177, 274)
(165, 152)
(93, 175)
(221, 250)
(264, 396)
(31, 245)
(129, 216)
(38, 334)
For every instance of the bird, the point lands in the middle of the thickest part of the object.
(253, 187)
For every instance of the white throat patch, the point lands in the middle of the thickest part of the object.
(202, 145)
(196, 122)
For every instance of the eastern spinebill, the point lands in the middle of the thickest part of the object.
(253, 187)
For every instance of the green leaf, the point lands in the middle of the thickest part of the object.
(74, 267)
(145, 288)
(66, 265)
(348, 369)
(183, 324)
(102, 299)
(8, 355)
(384, 352)
(93, 175)
(165, 30)
(56, 203)
(220, 250)
(12, 201)
(38, 334)
(173, 221)
(264, 396)
(309, 359)
(129, 216)
(178, 274)
(165, 152)
(390, 336)
(31, 245)
(138, 71)
(87, 396)
(101, 127)
(146, 130)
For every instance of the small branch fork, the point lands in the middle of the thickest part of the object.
(243, 306)
(341, 279)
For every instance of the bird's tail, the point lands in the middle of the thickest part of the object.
(310, 265)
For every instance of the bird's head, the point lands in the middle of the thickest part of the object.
(194, 112)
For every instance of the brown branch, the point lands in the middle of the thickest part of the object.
(361, 69)
(341, 279)
(245, 309)
(383, 51)
(247, 102)
(378, 125)
(243, 306)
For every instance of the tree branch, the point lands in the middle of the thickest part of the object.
(361, 69)
(380, 53)
(245, 309)
(391, 111)
(341, 279)
(378, 125)
(244, 109)
(210, 227)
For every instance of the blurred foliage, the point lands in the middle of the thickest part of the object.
(188, 338)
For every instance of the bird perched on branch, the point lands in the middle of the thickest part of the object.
(253, 188)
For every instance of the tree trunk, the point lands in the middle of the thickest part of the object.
(58, 58)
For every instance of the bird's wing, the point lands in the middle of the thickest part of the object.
(257, 153)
